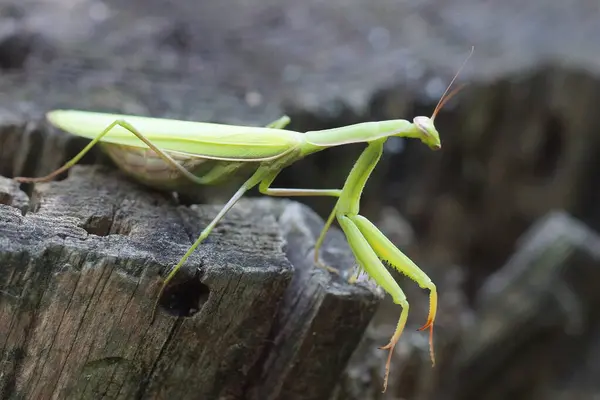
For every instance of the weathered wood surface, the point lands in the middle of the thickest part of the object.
(80, 265)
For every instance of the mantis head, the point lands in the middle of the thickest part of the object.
(425, 127)
(427, 132)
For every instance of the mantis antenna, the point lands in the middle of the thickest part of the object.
(444, 99)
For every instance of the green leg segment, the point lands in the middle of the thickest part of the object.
(279, 123)
(368, 243)
(249, 184)
(265, 189)
(126, 125)
(370, 246)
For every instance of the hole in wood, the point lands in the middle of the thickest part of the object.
(99, 226)
(105, 225)
(184, 299)
(6, 199)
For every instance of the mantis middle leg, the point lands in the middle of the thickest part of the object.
(265, 189)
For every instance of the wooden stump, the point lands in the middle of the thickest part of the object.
(80, 266)
(536, 332)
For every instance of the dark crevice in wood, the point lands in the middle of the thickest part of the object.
(184, 299)
(100, 226)
(551, 149)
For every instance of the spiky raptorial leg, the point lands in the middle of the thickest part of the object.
(369, 262)
(369, 245)
(386, 250)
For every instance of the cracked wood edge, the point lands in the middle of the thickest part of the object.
(80, 270)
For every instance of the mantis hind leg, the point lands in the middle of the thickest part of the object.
(126, 125)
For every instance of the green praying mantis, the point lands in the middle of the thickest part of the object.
(163, 153)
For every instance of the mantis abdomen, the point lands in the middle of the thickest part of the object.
(150, 169)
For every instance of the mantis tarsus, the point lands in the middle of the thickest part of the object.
(151, 149)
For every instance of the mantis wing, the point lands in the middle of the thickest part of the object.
(195, 139)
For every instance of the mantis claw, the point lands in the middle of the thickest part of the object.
(430, 320)
(354, 277)
(392, 344)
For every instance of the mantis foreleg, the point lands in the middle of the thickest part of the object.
(369, 245)
(368, 261)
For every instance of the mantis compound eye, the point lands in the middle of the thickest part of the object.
(429, 135)
(424, 125)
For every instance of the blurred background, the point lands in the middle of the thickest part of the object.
(503, 219)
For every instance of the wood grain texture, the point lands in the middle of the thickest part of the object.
(80, 265)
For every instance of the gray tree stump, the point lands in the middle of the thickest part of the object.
(80, 266)
(537, 334)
